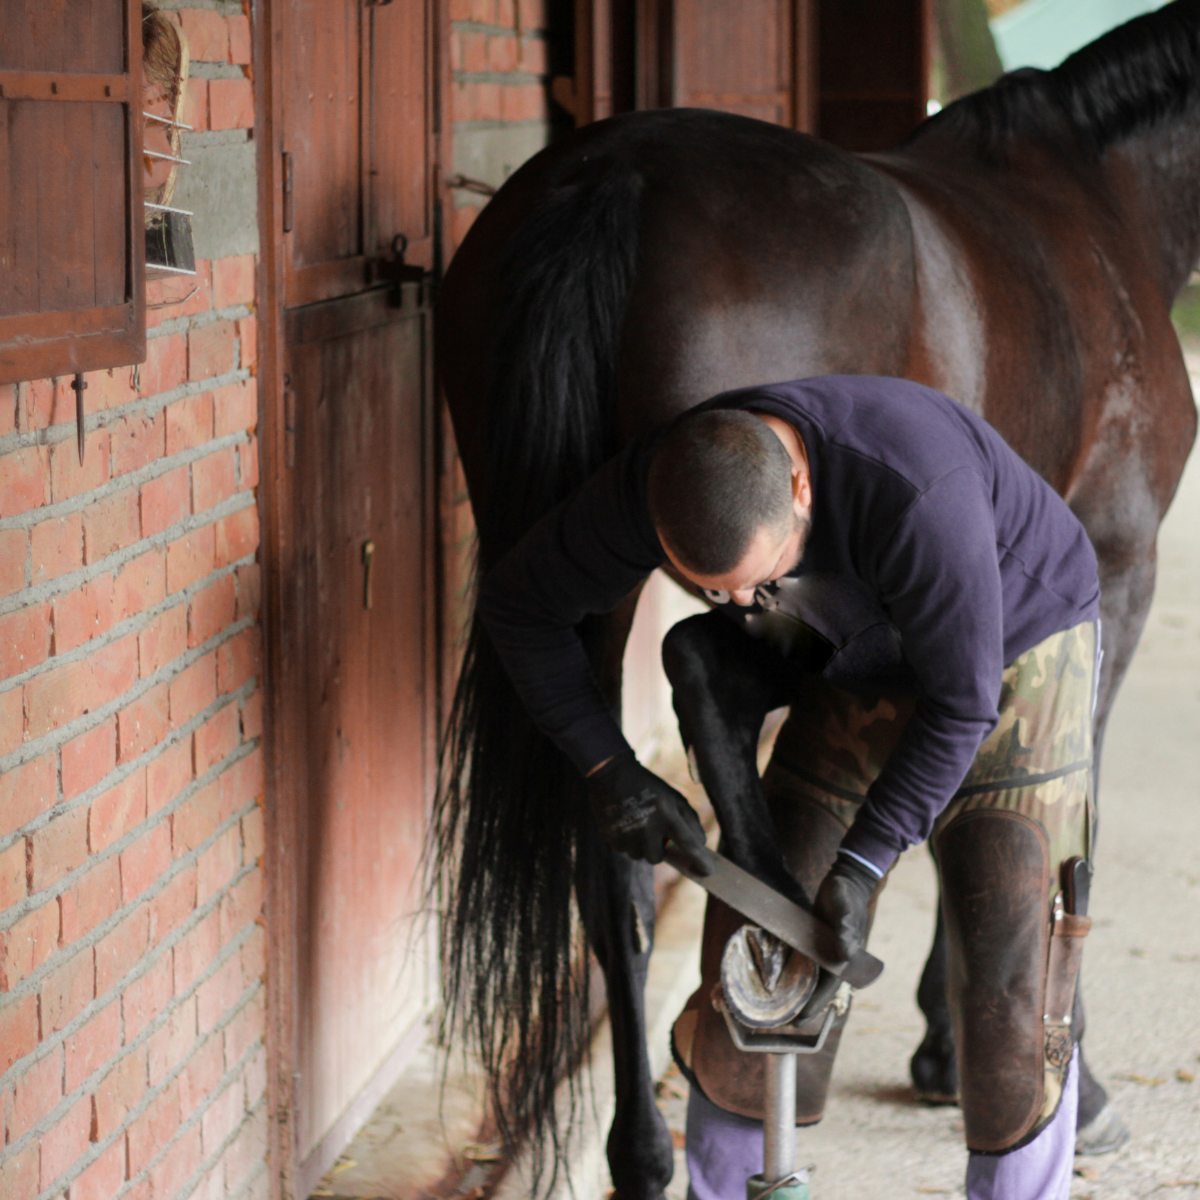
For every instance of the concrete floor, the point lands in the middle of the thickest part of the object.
(1142, 971)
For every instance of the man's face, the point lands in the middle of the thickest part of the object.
(771, 555)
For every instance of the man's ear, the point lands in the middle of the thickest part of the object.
(801, 491)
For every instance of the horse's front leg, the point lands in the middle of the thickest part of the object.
(724, 683)
(616, 902)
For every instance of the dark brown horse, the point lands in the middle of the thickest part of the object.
(1020, 253)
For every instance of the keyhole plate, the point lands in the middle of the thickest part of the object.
(368, 552)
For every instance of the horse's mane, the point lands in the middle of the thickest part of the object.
(1131, 78)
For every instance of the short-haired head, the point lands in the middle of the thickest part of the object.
(717, 479)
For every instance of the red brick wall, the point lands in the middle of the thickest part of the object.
(131, 945)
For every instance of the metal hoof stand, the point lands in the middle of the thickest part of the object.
(753, 985)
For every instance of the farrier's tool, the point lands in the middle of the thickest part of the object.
(775, 913)
(768, 975)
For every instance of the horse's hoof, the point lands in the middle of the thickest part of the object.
(934, 1071)
(1105, 1133)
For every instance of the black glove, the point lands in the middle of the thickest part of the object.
(637, 812)
(842, 902)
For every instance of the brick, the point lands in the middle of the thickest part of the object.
(212, 349)
(252, 717)
(249, 598)
(168, 774)
(191, 558)
(165, 366)
(218, 993)
(523, 103)
(103, 1179)
(193, 690)
(173, 905)
(247, 1151)
(136, 441)
(24, 480)
(8, 408)
(195, 952)
(145, 862)
(12, 722)
(256, 1078)
(182, 297)
(165, 501)
(18, 1029)
(214, 478)
(189, 422)
(66, 1142)
(202, 1073)
(14, 558)
(119, 951)
(503, 54)
(83, 614)
(248, 464)
(244, 782)
(110, 525)
(233, 278)
(115, 812)
(142, 582)
(238, 659)
(26, 791)
(88, 758)
(240, 48)
(12, 875)
(90, 901)
(146, 997)
(241, 905)
(150, 1132)
(57, 849)
(110, 389)
(218, 864)
(244, 1030)
(237, 535)
(91, 1046)
(222, 1116)
(196, 819)
(25, 637)
(211, 610)
(143, 724)
(171, 1043)
(19, 1174)
(28, 944)
(195, 104)
(230, 106)
(235, 407)
(66, 693)
(45, 402)
(121, 1091)
(533, 56)
(163, 640)
(171, 1171)
(248, 340)
(68, 990)
(207, 34)
(68, 477)
(38, 1091)
(217, 738)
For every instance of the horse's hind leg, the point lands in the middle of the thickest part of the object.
(724, 683)
(617, 907)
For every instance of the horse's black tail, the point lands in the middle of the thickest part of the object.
(509, 808)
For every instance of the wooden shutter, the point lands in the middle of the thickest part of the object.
(874, 71)
(72, 241)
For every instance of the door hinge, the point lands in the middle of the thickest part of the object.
(289, 206)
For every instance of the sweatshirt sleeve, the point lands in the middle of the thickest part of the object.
(939, 579)
(582, 558)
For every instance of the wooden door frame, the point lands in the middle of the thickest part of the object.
(276, 498)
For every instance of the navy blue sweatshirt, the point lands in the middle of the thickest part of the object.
(936, 556)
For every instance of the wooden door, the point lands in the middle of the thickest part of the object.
(354, 692)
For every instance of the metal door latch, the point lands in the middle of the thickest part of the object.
(368, 552)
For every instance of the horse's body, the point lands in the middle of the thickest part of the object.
(1020, 253)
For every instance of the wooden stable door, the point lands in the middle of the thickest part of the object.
(355, 689)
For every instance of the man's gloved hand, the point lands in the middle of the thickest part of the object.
(637, 812)
(842, 902)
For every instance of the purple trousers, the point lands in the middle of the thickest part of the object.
(724, 1150)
